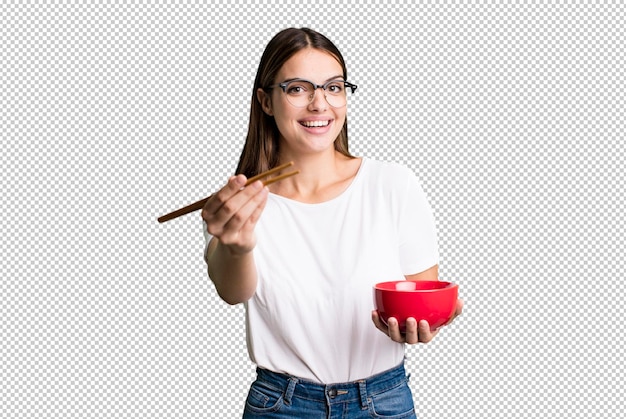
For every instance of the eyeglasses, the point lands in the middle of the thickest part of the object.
(301, 92)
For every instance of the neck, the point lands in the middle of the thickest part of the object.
(321, 175)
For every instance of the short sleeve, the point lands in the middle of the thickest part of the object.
(417, 232)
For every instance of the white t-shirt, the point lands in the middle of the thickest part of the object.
(317, 263)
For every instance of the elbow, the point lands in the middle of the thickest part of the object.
(233, 294)
(232, 300)
(234, 297)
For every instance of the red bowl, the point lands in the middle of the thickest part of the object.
(433, 301)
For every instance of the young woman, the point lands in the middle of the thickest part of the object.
(304, 253)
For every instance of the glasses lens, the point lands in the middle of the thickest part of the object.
(336, 93)
(300, 93)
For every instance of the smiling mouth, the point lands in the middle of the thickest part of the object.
(314, 124)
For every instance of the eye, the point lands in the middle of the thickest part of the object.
(297, 88)
(335, 88)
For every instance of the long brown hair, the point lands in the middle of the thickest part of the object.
(260, 152)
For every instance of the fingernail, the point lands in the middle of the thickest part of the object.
(240, 180)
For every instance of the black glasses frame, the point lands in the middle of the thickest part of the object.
(283, 85)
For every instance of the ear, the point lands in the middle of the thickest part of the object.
(265, 100)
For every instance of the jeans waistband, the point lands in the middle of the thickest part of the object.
(337, 392)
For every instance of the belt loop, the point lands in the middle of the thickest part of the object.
(290, 389)
(363, 394)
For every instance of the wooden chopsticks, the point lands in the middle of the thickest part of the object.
(200, 204)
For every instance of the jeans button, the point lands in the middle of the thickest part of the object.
(332, 393)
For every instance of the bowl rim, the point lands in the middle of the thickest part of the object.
(449, 285)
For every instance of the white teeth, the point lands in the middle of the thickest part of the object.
(311, 124)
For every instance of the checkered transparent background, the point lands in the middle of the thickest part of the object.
(510, 113)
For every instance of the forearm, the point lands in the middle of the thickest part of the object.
(234, 276)
(430, 274)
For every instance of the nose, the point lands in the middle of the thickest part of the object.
(318, 101)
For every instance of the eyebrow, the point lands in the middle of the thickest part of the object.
(300, 78)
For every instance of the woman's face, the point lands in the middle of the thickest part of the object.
(315, 127)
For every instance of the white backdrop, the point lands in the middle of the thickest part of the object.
(511, 114)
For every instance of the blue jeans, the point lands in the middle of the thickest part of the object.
(385, 395)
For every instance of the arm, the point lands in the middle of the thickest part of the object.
(234, 275)
(414, 332)
(430, 274)
(418, 242)
(230, 216)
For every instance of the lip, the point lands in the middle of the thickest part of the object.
(317, 130)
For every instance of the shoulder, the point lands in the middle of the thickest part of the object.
(386, 167)
(388, 173)
(389, 183)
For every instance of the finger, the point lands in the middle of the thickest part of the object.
(245, 220)
(232, 187)
(216, 221)
(242, 221)
(411, 334)
(457, 311)
(459, 307)
(379, 323)
(394, 330)
(425, 334)
(261, 199)
(242, 240)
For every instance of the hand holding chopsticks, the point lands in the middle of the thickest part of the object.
(200, 204)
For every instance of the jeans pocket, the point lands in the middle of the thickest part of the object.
(263, 398)
(396, 403)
